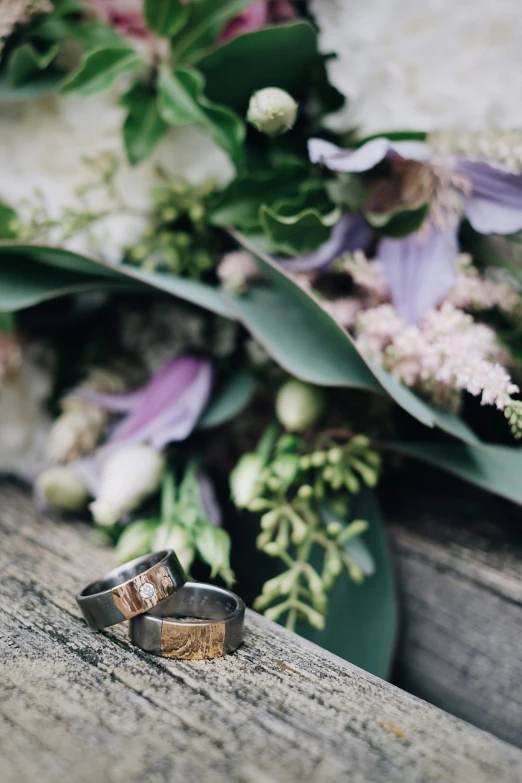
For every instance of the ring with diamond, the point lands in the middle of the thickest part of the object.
(199, 622)
(131, 589)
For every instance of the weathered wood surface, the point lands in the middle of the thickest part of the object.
(84, 706)
(459, 562)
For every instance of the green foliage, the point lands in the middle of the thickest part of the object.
(143, 128)
(398, 222)
(26, 61)
(180, 238)
(205, 21)
(166, 17)
(181, 102)
(8, 221)
(100, 69)
(280, 56)
(305, 495)
(299, 233)
(230, 398)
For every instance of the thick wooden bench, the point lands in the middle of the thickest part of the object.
(83, 706)
(459, 560)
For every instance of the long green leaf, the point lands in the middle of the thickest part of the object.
(26, 61)
(41, 84)
(207, 19)
(143, 128)
(12, 255)
(497, 469)
(362, 620)
(181, 102)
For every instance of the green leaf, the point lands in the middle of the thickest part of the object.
(7, 216)
(100, 69)
(240, 202)
(495, 468)
(280, 56)
(362, 620)
(399, 222)
(40, 84)
(48, 285)
(143, 128)
(206, 20)
(24, 283)
(25, 61)
(300, 233)
(181, 102)
(229, 399)
(165, 17)
(7, 323)
(97, 35)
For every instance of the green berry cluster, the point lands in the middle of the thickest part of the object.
(513, 414)
(305, 498)
(180, 238)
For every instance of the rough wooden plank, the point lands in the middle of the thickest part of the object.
(84, 706)
(459, 558)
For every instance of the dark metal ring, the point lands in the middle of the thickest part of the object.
(131, 589)
(200, 621)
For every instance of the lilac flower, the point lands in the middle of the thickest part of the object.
(166, 409)
(420, 268)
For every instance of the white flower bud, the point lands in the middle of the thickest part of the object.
(299, 405)
(244, 479)
(136, 540)
(129, 475)
(272, 111)
(63, 488)
(179, 539)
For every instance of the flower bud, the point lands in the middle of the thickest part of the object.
(129, 474)
(136, 540)
(244, 479)
(179, 539)
(62, 487)
(299, 405)
(272, 111)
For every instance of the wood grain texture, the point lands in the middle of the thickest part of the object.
(192, 642)
(127, 597)
(459, 560)
(89, 707)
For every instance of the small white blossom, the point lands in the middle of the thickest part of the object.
(129, 474)
(272, 111)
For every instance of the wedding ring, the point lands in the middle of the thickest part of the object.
(131, 589)
(198, 622)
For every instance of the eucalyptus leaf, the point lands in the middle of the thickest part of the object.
(362, 620)
(165, 17)
(299, 233)
(143, 128)
(181, 102)
(231, 397)
(100, 69)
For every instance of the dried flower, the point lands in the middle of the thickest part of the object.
(272, 111)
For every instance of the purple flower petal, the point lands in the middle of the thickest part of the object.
(209, 500)
(495, 203)
(365, 157)
(119, 403)
(420, 269)
(350, 233)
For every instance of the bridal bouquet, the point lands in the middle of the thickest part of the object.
(224, 312)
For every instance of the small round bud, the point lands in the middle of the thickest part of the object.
(299, 405)
(305, 491)
(272, 111)
(244, 479)
(335, 455)
(62, 487)
(334, 528)
(318, 459)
